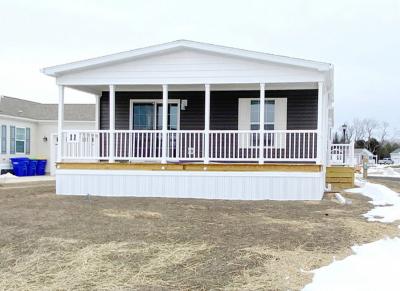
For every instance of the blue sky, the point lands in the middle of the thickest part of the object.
(361, 39)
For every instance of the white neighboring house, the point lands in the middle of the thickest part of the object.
(395, 156)
(196, 120)
(29, 128)
(359, 155)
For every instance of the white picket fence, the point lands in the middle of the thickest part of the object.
(191, 145)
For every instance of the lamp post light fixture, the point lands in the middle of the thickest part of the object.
(344, 128)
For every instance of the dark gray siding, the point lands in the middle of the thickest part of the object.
(301, 111)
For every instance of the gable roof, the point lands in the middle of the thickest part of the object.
(361, 151)
(55, 71)
(396, 151)
(38, 111)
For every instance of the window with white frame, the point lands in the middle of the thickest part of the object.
(269, 115)
(269, 120)
(20, 138)
(3, 139)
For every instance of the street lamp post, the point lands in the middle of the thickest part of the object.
(344, 128)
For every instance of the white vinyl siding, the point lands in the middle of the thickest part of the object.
(188, 66)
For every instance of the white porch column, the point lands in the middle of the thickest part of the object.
(60, 124)
(164, 123)
(207, 125)
(97, 112)
(112, 124)
(261, 129)
(319, 124)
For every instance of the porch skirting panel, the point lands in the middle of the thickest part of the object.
(192, 184)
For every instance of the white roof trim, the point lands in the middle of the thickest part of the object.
(156, 49)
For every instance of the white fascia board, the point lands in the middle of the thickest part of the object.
(189, 80)
(156, 49)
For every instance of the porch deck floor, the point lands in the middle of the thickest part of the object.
(241, 167)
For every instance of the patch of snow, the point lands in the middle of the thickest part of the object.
(340, 198)
(384, 171)
(7, 177)
(387, 201)
(373, 266)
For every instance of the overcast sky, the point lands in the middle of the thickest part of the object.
(361, 39)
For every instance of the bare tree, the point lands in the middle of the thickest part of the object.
(384, 131)
(371, 125)
(359, 129)
(350, 132)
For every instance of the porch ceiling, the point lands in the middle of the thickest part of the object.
(97, 89)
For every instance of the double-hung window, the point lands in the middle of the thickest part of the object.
(20, 139)
(269, 115)
(269, 119)
(3, 139)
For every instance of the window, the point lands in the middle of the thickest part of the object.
(269, 119)
(3, 139)
(20, 138)
(147, 114)
(172, 116)
(269, 115)
(143, 116)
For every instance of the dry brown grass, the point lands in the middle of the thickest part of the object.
(294, 268)
(50, 242)
(131, 214)
(68, 264)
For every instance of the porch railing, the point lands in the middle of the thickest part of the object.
(342, 154)
(189, 145)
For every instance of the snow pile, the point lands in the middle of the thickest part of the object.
(374, 266)
(7, 176)
(383, 171)
(387, 201)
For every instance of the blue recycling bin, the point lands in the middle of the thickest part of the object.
(20, 166)
(32, 166)
(41, 167)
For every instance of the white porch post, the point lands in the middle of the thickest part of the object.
(164, 123)
(261, 129)
(112, 124)
(207, 125)
(97, 112)
(60, 126)
(319, 124)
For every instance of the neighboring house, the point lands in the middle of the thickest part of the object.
(27, 127)
(182, 119)
(395, 156)
(359, 155)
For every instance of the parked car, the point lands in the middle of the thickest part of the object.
(385, 161)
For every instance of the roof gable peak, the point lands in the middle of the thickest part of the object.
(183, 43)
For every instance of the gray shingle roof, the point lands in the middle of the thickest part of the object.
(39, 111)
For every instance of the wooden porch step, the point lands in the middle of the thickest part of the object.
(340, 177)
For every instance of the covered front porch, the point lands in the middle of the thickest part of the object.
(201, 124)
